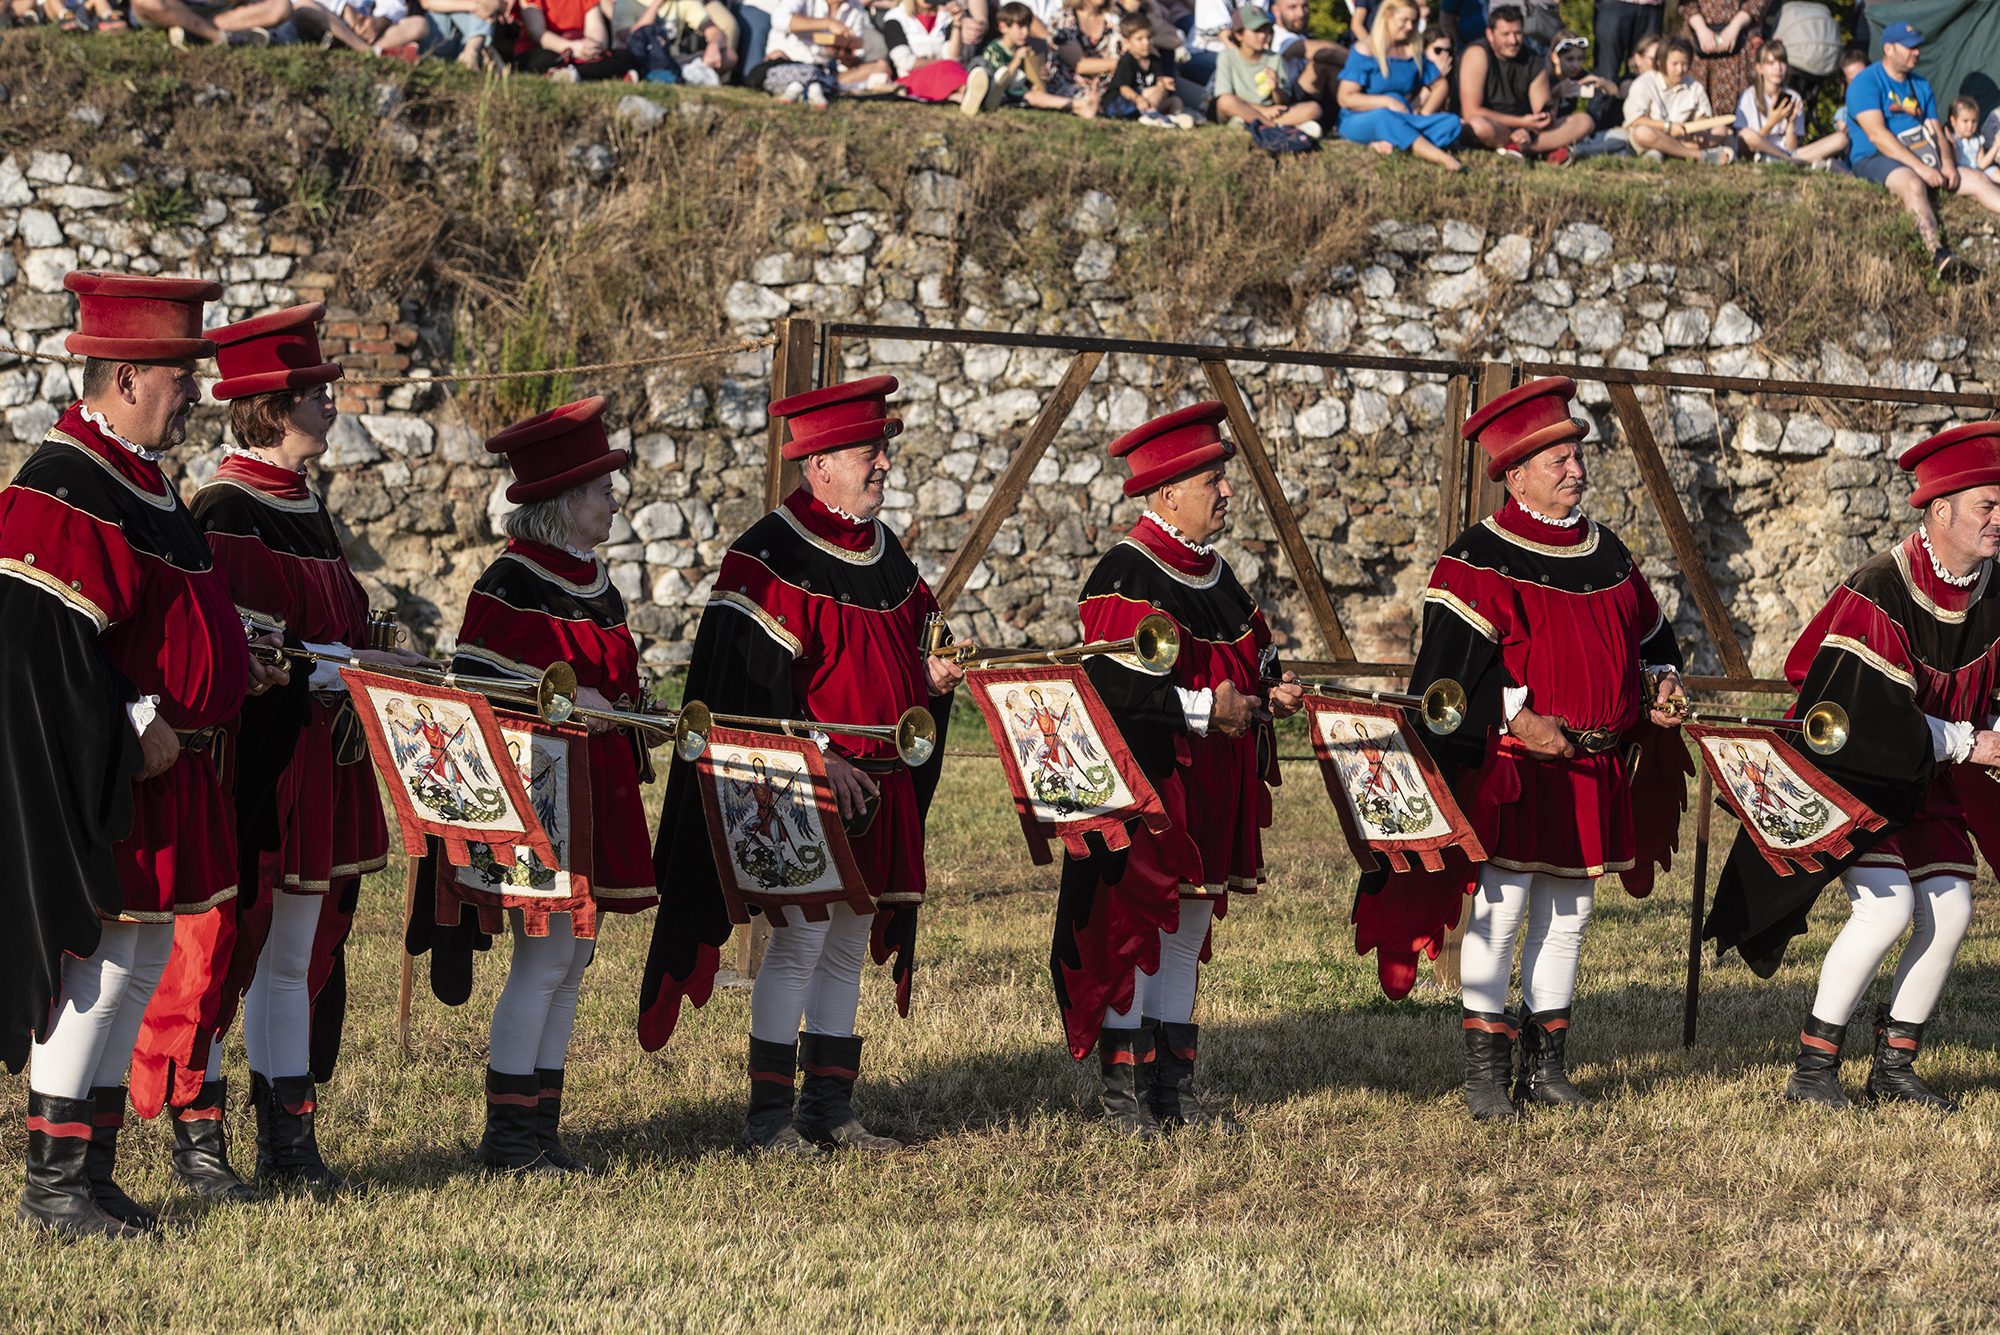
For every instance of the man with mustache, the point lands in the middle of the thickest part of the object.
(1542, 616)
(1132, 924)
(818, 613)
(122, 659)
(1906, 646)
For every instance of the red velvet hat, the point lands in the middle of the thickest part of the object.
(553, 451)
(1171, 446)
(275, 351)
(839, 415)
(130, 318)
(1965, 456)
(1524, 422)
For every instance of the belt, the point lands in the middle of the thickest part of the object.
(888, 766)
(1594, 742)
(199, 740)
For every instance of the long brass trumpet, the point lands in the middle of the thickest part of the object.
(1154, 642)
(1442, 705)
(914, 735)
(1824, 727)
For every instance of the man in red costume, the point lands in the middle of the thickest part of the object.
(123, 656)
(1907, 646)
(817, 613)
(1132, 927)
(1542, 616)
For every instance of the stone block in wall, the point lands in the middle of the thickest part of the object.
(45, 269)
(1586, 243)
(407, 436)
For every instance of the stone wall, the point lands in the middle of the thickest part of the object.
(1785, 497)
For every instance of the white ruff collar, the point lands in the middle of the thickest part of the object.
(839, 513)
(1197, 548)
(1937, 566)
(238, 452)
(579, 555)
(97, 420)
(1575, 517)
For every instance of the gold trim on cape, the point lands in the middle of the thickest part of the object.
(169, 502)
(42, 579)
(867, 558)
(1584, 548)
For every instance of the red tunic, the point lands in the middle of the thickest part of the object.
(139, 564)
(535, 606)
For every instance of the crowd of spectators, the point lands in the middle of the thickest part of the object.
(1510, 80)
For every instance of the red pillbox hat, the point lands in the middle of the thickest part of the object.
(268, 352)
(1523, 422)
(839, 415)
(1172, 446)
(553, 451)
(1951, 461)
(132, 318)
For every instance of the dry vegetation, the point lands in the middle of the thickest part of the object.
(1692, 1198)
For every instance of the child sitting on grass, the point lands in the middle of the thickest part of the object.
(1250, 88)
(1974, 151)
(1661, 104)
(1143, 83)
(1022, 72)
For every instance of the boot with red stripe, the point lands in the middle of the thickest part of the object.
(1893, 1077)
(1816, 1070)
(294, 1102)
(769, 1126)
(1544, 1078)
(201, 1147)
(58, 1195)
(1174, 1103)
(548, 1123)
(513, 1139)
(1489, 1062)
(1125, 1064)
(825, 1114)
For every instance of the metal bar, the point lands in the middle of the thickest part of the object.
(1488, 495)
(1304, 569)
(791, 373)
(1014, 478)
(1451, 461)
(1691, 1009)
(1329, 667)
(405, 982)
(1694, 567)
(1809, 389)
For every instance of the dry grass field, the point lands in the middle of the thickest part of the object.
(1362, 1197)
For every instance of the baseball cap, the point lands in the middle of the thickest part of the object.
(1902, 34)
(1255, 20)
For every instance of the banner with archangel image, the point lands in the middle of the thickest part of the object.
(1068, 767)
(445, 761)
(1794, 814)
(553, 764)
(775, 827)
(1389, 794)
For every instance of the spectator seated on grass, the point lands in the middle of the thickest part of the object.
(1206, 28)
(570, 40)
(1573, 88)
(1505, 99)
(1168, 41)
(461, 30)
(1022, 72)
(1770, 117)
(1312, 66)
(1250, 80)
(378, 27)
(816, 52)
(1084, 36)
(1394, 98)
(67, 15)
(1612, 139)
(255, 23)
(1666, 110)
(1143, 84)
(926, 50)
(1974, 149)
(1893, 119)
(677, 41)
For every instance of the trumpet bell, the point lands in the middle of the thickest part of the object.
(1444, 706)
(555, 694)
(1826, 727)
(916, 736)
(691, 730)
(1156, 644)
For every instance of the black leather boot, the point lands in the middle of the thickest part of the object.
(768, 1127)
(58, 1194)
(1893, 1077)
(1816, 1070)
(1173, 1100)
(1125, 1064)
(107, 1120)
(1489, 1056)
(513, 1139)
(1543, 1077)
(201, 1147)
(260, 1103)
(548, 1123)
(825, 1113)
(294, 1145)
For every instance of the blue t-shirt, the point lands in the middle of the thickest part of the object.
(1400, 81)
(1903, 106)
(1471, 19)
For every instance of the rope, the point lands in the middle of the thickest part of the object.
(468, 377)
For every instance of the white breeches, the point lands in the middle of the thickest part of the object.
(536, 1012)
(103, 1002)
(811, 977)
(1883, 904)
(277, 1010)
(1556, 908)
(1168, 996)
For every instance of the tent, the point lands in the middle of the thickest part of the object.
(1961, 51)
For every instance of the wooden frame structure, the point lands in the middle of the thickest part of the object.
(1465, 495)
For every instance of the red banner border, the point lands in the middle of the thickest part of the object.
(1428, 851)
(1788, 862)
(853, 889)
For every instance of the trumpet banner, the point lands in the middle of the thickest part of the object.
(1067, 764)
(448, 769)
(1794, 814)
(553, 765)
(775, 827)
(1389, 794)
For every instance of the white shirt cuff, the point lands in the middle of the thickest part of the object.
(1197, 705)
(1950, 742)
(1513, 699)
(326, 676)
(142, 712)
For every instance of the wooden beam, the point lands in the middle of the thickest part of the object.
(831, 372)
(1451, 461)
(1487, 495)
(1691, 1004)
(1304, 569)
(1014, 478)
(1327, 667)
(1694, 567)
(791, 373)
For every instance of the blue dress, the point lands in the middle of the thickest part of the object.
(1401, 128)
